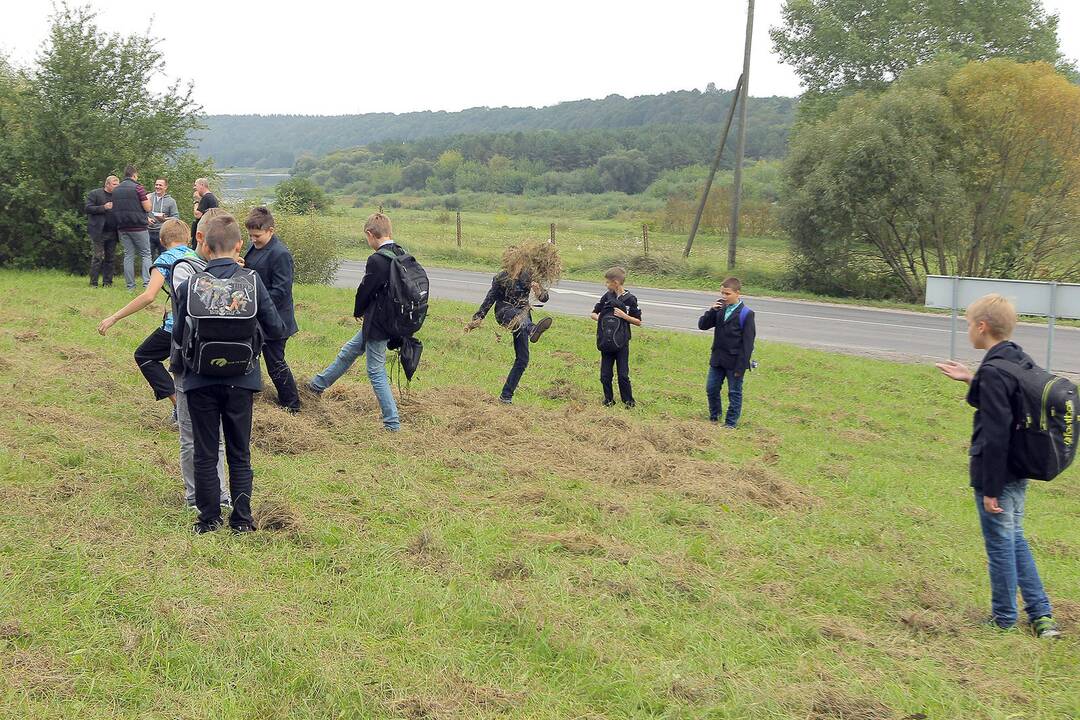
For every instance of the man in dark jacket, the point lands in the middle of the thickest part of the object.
(223, 403)
(130, 207)
(734, 330)
(999, 494)
(101, 228)
(373, 337)
(511, 294)
(204, 200)
(269, 257)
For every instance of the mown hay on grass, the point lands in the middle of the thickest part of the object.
(278, 432)
(834, 705)
(277, 516)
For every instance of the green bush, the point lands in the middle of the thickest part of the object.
(315, 250)
(299, 196)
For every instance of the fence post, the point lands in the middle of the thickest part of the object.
(552, 241)
(459, 229)
(955, 312)
(1050, 327)
(645, 236)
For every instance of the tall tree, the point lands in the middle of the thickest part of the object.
(847, 45)
(972, 170)
(84, 110)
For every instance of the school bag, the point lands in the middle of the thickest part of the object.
(612, 333)
(1043, 441)
(222, 337)
(404, 301)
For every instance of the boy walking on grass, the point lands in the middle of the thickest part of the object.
(999, 494)
(269, 257)
(373, 336)
(616, 311)
(734, 330)
(510, 293)
(220, 389)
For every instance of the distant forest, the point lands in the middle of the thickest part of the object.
(278, 141)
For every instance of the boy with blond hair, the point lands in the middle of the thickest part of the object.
(999, 493)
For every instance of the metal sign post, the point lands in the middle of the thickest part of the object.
(1051, 300)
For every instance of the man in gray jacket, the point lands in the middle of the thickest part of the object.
(162, 207)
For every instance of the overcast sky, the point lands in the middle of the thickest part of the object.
(333, 57)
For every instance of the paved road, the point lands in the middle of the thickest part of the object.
(893, 334)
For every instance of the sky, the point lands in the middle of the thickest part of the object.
(329, 57)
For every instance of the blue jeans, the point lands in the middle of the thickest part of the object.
(1010, 562)
(136, 242)
(521, 359)
(376, 370)
(713, 386)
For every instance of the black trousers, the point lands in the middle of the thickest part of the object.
(620, 359)
(155, 244)
(521, 359)
(213, 409)
(101, 257)
(150, 357)
(278, 369)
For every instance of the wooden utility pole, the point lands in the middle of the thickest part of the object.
(552, 241)
(459, 229)
(645, 236)
(715, 166)
(740, 141)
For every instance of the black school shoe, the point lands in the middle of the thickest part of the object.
(201, 528)
(609, 403)
(242, 528)
(539, 328)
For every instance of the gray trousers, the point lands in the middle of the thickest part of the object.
(135, 242)
(187, 451)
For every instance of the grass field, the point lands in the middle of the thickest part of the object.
(588, 247)
(552, 559)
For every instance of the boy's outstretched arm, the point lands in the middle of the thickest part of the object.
(492, 296)
(955, 370)
(157, 280)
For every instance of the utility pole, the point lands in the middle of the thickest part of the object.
(740, 142)
(715, 166)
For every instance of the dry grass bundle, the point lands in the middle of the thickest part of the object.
(275, 431)
(277, 516)
(540, 259)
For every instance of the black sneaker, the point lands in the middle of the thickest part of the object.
(630, 404)
(242, 528)
(609, 403)
(506, 400)
(314, 390)
(539, 328)
(201, 528)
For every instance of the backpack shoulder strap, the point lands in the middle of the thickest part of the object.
(744, 312)
(1008, 367)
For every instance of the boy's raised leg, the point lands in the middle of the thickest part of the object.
(351, 350)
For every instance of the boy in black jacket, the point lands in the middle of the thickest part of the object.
(373, 337)
(223, 403)
(510, 292)
(734, 331)
(1000, 495)
(269, 257)
(613, 335)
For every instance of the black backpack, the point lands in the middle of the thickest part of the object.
(222, 337)
(1043, 441)
(404, 301)
(612, 333)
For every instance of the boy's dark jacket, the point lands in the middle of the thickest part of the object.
(274, 263)
(510, 297)
(992, 394)
(733, 343)
(376, 276)
(626, 302)
(98, 219)
(268, 319)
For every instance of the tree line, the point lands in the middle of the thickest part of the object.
(538, 162)
(277, 141)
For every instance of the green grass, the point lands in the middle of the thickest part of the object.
(552, 559)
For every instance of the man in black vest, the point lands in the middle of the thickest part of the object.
(102, 230)
(130, 206)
